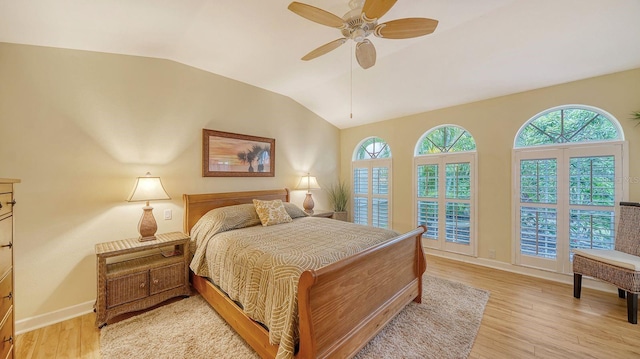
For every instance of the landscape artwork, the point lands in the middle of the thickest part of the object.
(227, 154)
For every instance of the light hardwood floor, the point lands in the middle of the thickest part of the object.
(525, 318)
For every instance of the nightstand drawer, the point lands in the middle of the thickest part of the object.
(165, 278)
(6, 294)
(125, 289)
(6, 245)
(6, 336)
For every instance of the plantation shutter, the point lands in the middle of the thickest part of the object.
(371, 192)
(444, 185)
(567, 199)
(445, 198)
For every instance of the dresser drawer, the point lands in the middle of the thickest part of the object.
(6, 336)
(128, 288)
(6, 245)
(6, 294)
(165, 278)
(5, 202)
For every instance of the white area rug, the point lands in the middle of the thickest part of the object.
(444, 326)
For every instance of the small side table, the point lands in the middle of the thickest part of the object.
(322, 213)
(150, 273)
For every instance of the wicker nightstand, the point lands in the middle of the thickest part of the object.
(150, 273)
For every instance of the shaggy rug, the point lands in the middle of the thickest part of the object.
(443, 326)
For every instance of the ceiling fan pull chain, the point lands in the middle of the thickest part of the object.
(351, 82)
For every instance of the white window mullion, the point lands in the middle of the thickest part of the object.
(563, 210)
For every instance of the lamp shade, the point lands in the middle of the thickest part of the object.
(308, 182)
(148, 189)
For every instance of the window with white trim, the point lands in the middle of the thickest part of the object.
(444, 185)
(372, 183)
(568, 165)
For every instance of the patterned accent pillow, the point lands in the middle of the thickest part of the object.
(294, 211)
(271, 212)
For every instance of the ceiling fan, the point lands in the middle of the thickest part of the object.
(360, 22)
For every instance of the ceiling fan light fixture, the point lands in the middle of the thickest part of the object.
(358, 35)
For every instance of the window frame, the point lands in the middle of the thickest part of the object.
(370, 163)
(563, 153)
(441, 159)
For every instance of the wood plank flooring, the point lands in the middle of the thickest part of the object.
(525, 317)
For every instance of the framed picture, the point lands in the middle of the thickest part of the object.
(227, 154)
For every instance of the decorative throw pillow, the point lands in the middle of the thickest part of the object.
(294, 211)
(271, 212)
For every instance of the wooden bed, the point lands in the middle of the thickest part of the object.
(340, 306)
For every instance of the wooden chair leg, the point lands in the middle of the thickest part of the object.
(632, 307)
(621, 293)
(577, 284)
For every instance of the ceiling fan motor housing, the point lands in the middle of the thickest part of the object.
(357, 29)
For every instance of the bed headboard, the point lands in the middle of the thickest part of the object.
(197, 205)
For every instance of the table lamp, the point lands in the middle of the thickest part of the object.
(147, 189)
(308, 182)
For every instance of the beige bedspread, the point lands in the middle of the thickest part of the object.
(259, 267)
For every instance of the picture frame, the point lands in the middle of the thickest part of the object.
(226, 154)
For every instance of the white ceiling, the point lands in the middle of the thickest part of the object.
(481, 48)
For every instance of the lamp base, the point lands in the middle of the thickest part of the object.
(308, 204)
(147, 225)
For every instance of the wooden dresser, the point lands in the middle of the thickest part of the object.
(7, 324)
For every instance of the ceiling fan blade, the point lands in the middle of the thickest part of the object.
(317, 15)
(366, 54)
(375, 9)
(406, 28)
(324, 49)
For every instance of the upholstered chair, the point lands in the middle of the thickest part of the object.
(620, 267)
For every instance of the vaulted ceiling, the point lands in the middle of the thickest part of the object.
(480, 49)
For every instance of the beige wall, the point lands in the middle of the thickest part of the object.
(494, 124)
(78, 127)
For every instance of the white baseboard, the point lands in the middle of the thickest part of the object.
(29, 324)
(43, 320)
(587, 282)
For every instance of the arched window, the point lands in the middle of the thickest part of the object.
(372, 183)
(444, 182)
(569, 162)
(372, 148)
(567, 125)
(445, 139)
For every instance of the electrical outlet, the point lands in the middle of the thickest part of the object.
(167, 214)
(492, 254)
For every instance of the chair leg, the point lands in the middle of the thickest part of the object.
(621, 293)
(632, 307)
(577, 284)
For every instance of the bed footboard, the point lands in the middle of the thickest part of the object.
(345, 304)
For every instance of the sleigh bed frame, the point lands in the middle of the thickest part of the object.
(341, 306)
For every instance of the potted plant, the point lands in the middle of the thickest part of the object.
(339, 194)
